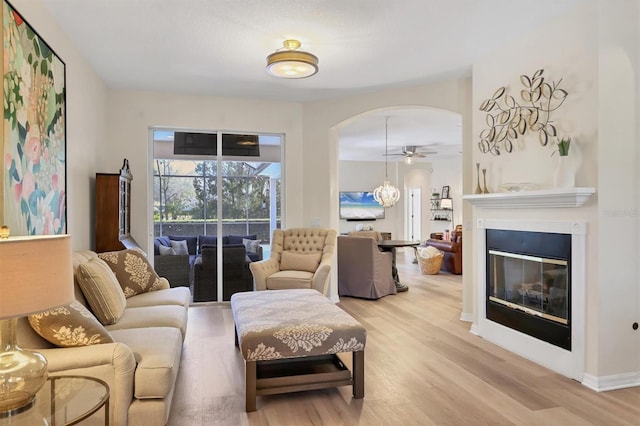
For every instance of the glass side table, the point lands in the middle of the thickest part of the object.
(64, 400)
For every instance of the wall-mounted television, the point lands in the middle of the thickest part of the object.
(359, 206)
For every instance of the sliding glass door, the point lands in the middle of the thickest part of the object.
(222, 238)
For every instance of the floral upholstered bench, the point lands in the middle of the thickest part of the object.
(290, 340)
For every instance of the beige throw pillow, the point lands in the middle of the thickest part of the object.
(251, 245)
(166, 251)
(133, 271)
(102, 290)
(292, 261)
(70, 325)
(180, 247)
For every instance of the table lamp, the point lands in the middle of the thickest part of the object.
(36, 274)
(446, 203)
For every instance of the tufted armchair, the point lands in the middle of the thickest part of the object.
(300, 258)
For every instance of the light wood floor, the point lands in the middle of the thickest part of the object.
(422, 366)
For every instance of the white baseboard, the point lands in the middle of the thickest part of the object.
(615, 381)
(474, 330)
(466, 316)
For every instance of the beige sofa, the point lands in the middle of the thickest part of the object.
(141, 365)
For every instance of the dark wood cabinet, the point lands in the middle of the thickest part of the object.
(113, 211)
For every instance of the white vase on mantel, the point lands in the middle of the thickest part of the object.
(565, 174)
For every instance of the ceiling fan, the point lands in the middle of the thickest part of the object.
(412, 151)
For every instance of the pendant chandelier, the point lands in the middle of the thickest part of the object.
(386, 195)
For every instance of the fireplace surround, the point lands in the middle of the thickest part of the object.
(570, 359)
(528, 289)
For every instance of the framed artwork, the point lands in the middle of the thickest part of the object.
(445, 192)
(34, 179)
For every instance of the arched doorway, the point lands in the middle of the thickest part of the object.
(417, 138)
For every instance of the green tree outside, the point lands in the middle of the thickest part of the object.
(186, 190)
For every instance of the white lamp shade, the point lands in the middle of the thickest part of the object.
(446, 203)
(36, 274)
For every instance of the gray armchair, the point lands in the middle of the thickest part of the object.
(300, 258)
(363, 270)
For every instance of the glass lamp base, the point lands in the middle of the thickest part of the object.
(22, 373)
(15, 403)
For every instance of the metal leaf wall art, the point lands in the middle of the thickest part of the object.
(507, 118)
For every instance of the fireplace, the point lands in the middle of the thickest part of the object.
(528, 283)
(539, 249)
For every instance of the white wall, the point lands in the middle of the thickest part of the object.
(367, 175)
(597, 115)
(320, 139)
(86, 122)
(448, 173)
(311, 169)
(132, 114)
(618, 151)
(320, 148)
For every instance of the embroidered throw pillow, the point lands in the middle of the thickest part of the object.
(292, 261)
(133, 271)
(70, 325)
(102, 290)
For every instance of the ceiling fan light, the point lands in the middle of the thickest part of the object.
(289, 62)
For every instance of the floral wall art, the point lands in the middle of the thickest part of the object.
(509, 117)
(34, 131)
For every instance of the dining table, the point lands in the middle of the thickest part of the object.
(392, 246)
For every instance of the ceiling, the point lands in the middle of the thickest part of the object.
(219, 47)
(435, 131)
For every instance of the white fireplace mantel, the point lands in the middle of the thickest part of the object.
(543, 198)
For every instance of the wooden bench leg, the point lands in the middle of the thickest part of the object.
(250, 378)
(358, 374)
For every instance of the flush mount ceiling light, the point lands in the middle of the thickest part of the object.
(290, 62)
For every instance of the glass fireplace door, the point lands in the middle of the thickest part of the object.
(535, 285)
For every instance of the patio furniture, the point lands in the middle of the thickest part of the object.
(235, 273)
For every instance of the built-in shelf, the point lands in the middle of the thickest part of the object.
(543, 198)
